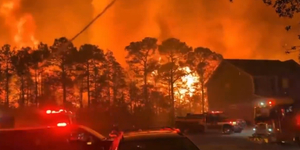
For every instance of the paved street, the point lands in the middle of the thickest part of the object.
(215, 141)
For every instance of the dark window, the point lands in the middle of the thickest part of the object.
(256, 83)
(273, 85)
(285, 83)
(159, 144)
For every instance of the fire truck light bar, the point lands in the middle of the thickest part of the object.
(54, 112)
(62, 124)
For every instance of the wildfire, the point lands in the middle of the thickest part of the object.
(189, 81)
(22, 28)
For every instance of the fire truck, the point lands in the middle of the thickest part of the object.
(59, 117)
(39, 118)
(277, 121)
(214, 120)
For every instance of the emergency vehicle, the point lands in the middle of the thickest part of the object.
(38, 118)
(63, 137)
(214, 120)
(53, 117)
(277, 121)
(152, 138)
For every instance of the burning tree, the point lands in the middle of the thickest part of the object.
(115, 80)
(62, 55)
(173, 52)
(89, 58)
(37, 56)
(7, 69)
(141, 61)
(204, 62)
(21, 65)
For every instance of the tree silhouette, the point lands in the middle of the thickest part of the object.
(115, 77)
(62, 51)
(141, 60)
(5, 55)
(21, 61)
(174, 51)
(88, 56)
(200, 61)
(36, 63)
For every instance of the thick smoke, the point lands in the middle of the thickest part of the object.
(55, 18)
(243, 29)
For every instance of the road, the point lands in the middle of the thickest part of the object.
(216, 141)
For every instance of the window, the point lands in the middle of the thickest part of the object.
(256, 81)
(285, 83)
(273, 85)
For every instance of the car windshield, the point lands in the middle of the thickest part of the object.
(159, 144)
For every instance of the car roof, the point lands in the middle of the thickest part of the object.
(91, 131)
(150, 134)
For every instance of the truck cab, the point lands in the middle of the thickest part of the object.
(214, 120)
(277, 122)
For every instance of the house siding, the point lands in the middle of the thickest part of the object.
(231, 90)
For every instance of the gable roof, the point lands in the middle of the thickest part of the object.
(262, 67)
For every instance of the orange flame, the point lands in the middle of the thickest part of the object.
(22, 28)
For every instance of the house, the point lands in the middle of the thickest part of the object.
(238, 84)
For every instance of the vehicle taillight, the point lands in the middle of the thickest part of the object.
(62, 124)
(177, 130)
(232, 122)
(298, 120)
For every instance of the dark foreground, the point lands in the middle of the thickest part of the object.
(215, 141)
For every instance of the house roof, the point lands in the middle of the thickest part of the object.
(265, 67)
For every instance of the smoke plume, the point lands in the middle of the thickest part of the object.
(242, 29)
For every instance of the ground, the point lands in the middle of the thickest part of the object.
(216, 141)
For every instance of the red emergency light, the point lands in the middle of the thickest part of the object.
(62, 124)
(270, 102)
(55, 112)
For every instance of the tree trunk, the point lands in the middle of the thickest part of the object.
(88, 83)
(95, 90)
(202, 95)
(22, 98)
(81, 96)
(64, 83)
(172, 98)
(36, 87)
(7, 85)
(145, 86)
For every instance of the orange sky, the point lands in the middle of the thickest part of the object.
(243, 29)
